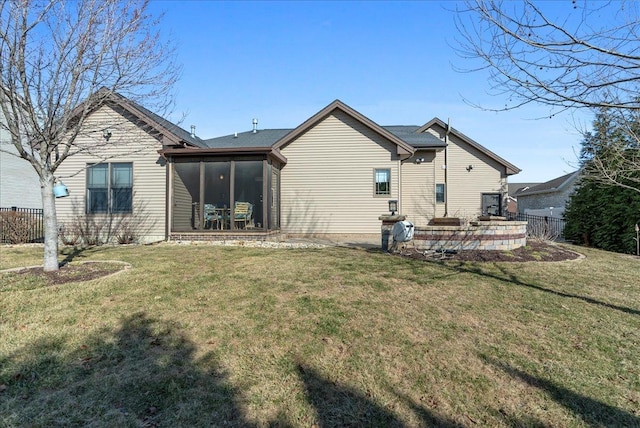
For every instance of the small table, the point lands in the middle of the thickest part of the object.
(224, 214)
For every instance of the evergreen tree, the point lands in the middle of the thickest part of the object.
(599, 214)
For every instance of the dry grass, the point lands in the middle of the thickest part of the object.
(215, 336)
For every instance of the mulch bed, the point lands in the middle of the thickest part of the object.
(74, 272)
(535, 251)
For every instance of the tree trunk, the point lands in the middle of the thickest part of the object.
(50, 224)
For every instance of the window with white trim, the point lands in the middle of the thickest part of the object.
(382, 181)
(110, 188)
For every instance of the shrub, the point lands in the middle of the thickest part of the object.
(15, 227)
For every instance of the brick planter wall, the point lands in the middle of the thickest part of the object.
(478, 235)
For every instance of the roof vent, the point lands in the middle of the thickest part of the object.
(193, 131)
(255, 125)
(235, 134)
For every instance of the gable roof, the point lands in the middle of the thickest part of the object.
(407, 138)
(510, 168)
(402, 146)
(168, 131)
(555, 185)
(175, 133)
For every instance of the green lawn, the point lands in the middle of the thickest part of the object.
(234, 336)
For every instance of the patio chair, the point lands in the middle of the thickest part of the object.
(212, 217)
(243, 214)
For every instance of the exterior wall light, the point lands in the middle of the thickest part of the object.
(469, 168)
(106, 133)
(393, 206)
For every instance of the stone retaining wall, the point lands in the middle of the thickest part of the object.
(477, 235)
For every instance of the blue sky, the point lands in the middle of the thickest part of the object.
(281, 62)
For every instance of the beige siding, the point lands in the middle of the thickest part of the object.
(128, 143)
(418, 189)
(182, 205)
(327, 186)
(464, 188)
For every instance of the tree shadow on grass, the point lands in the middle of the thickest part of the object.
(143, 374)
(513, 279)
(72, 253)
(343, 406)
(591, 411)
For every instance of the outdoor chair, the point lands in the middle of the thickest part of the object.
(243, 214)
(212, 217)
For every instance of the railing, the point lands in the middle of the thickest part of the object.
(21, 225)
(541, 226)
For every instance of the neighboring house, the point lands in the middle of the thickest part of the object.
(19, 183)
(331, 176)
(550, 198)
(514, 189)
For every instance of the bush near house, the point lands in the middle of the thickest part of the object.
(20, 225)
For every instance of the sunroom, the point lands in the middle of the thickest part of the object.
(218, 193)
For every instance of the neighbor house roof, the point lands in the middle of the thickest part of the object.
(514, 189)
(555, 185)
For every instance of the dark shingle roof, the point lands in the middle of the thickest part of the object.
(515, 189)
(182, 134)
(170, 126)
(262, 138)
(551, 185)
(268, 137)
(408, 134)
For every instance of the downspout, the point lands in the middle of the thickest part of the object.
(446, 169)
(400, 186)
(169, 209)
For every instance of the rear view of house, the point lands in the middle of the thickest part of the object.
(331, 176)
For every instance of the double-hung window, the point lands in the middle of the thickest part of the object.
(110, 188)
(382, 181)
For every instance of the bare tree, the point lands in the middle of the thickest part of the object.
(62, 60)
(589, 57)
(569, 55)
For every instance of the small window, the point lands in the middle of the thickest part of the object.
(383, 181)
(440, 189)
(110, 188)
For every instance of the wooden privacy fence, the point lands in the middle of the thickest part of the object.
(21, 225)
(541, 226)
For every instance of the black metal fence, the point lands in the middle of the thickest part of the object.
(21, 225)
(541, 226)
